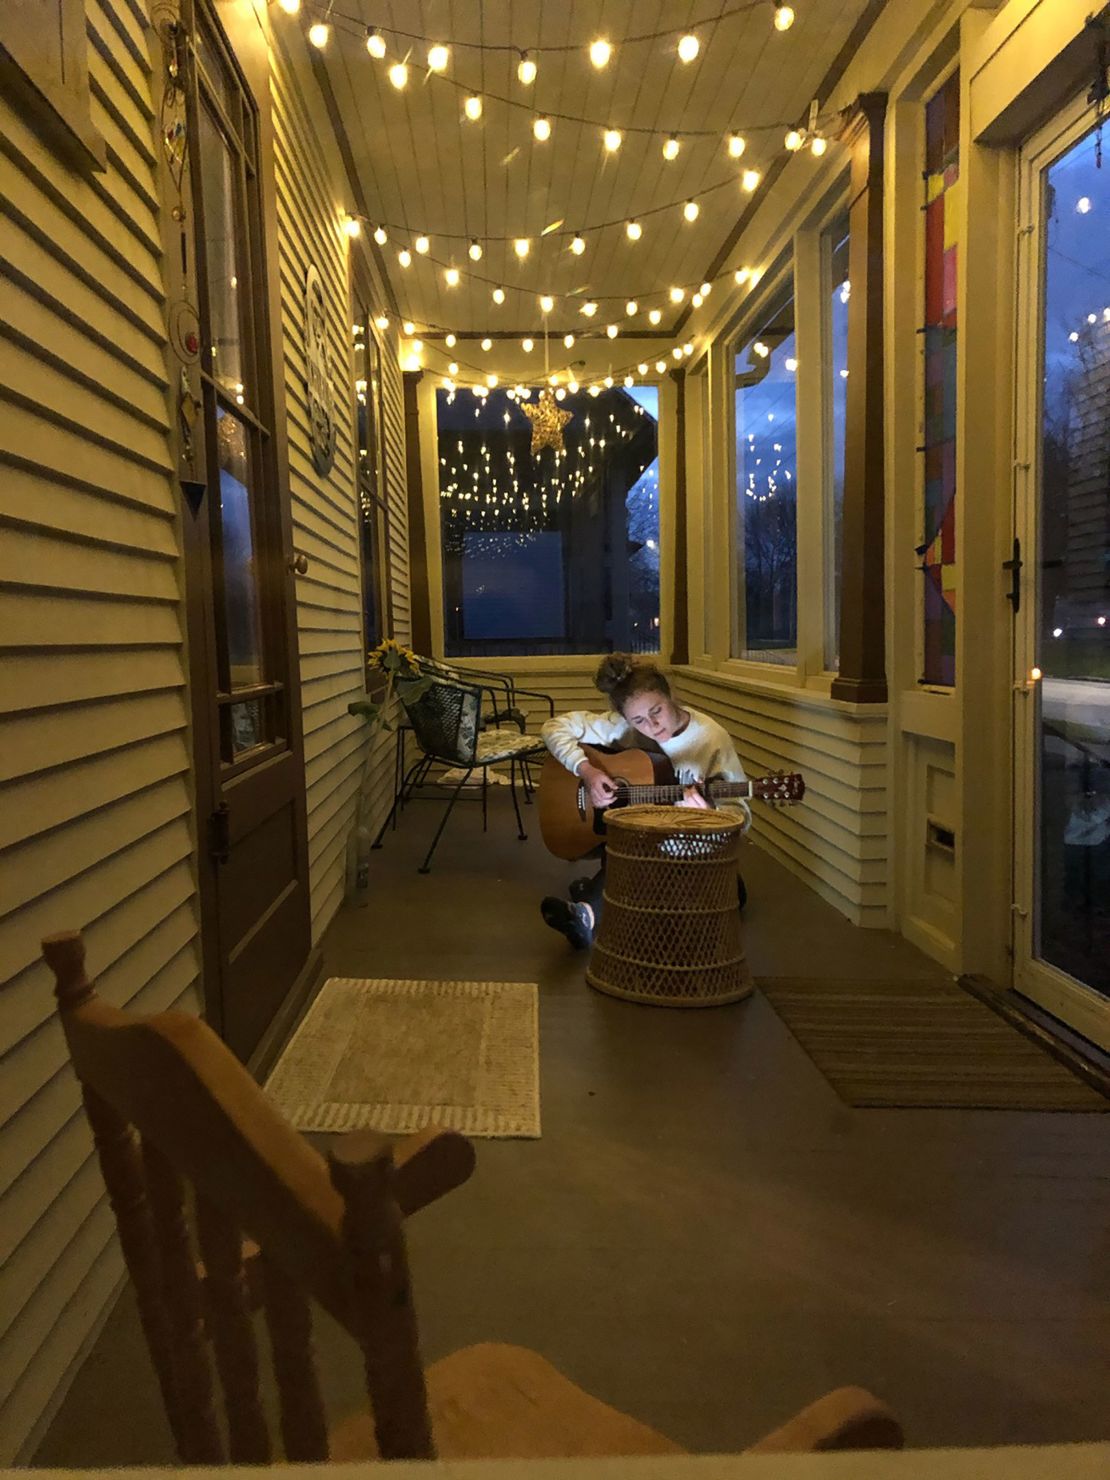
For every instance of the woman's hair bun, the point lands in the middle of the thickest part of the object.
(613, 672)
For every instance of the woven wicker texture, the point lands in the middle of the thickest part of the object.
(670, 933)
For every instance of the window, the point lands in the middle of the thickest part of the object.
(938, 545)
(766, 532)
(837, 289)
(557, 551)
(372, 492)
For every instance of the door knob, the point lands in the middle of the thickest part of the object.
(298, 565)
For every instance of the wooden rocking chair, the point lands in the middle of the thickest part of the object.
(180, 1125)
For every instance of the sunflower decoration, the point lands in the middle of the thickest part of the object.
(392, 657)
(398, 663)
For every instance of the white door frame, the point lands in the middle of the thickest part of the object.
(1083, 1008)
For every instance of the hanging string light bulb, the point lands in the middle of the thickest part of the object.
(291, 7)
(655, 315)
(642, 367)
(784, 17)
(375, 44)
(452, 368)
(691, 210)
(578, 244)
(818, 144)
(568, 340)
(422, 245)
(404, 257)
(352, 226)
(677, 295)
(589, 308)
(671, 147)
(381, 236)
(438, 57)
(399, 75)
(319, 34)
(473, 107)
(487, 344)
(382, 322)
(741, 276)
(451, 277)
(749, 180)
(688, 47)
(631, 307)
(660, 367)
(498, 295)
(409, 328)
(527, 346)
(474, 251)
(547, 303)
(526, 69)
(522, 246)
(736, 145)
(450, 341)
(612, 331)
(613, 140)
(600, 52)
(794, 140)
(633, 230)
(541, 127)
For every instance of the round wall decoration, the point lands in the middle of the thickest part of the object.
(321, 402)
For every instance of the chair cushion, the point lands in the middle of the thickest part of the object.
(495, 1401)
(502, 744)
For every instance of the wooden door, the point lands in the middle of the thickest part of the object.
(250, 784)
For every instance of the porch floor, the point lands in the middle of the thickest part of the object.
(705, 1236)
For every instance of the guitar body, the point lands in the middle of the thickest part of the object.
(570, 824)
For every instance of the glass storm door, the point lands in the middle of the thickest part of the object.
(1062, 648)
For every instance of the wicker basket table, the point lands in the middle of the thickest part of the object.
(670, 933)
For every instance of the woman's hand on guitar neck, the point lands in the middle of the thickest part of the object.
(599, 784)
(693, 796)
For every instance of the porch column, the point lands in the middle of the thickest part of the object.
(680, 616)
(421, 613)
(862, 676)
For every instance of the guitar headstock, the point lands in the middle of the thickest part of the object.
(780, 787)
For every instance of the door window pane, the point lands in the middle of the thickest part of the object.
(1073, 564)
(835, 247)
(240, 576)
(221, 243)
(766, 560)
(556, 552)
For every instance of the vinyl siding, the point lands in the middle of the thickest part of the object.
(312, 199)
(94, 790)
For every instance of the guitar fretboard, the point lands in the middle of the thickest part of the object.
(644, 796)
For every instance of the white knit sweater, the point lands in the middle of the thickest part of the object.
(703, 751)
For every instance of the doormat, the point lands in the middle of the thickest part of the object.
(401, 1055)
(921, 1045)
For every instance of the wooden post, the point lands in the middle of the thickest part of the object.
(421, 611)
(680, 643)
(862, 676)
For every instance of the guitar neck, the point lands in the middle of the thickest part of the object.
(645, 796)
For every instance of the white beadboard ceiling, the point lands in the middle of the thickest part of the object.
(424, 167)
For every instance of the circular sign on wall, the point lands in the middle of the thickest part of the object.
(321, 403)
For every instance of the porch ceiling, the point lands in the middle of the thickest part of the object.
(424, 167)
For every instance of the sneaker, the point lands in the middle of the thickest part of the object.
(575, 921)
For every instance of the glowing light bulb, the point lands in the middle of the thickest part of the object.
(547, 303)
(671, 147)
(633, 230)
(760, 349)
(629, 380)
(380, 235)
(688, 348)
(1083, 204)
(522, 246)
(474, 251)
(750, 179)
(409, 327)
(375, 45)
(705, 289)
(382, 322)
(450, 341)
(452, 368)
(677, 295)
(473, 107)
(572, 386)
(560, 394)
(784, 17)
(696, 301)
(741, 276)
(526, 69)
(631, 307)
(642, 367)
(352, 226)
(791, 364)
(487, 345)
(452, 277)
(541, 127)
(422, 245)
(404, 257)
(818, 145)
(498, 295)
(568, 340)
(491, 380)
(688, 47)
(399, 75)
(612, 330)
(660, 367)
(655, 315)
(793, 140)
(589, 309)
(578, 245)
(438, 57)
(691, 210)
(595, 390)
(290, 6)
(609, 382)
(600, 52)
(527, 346)
(736, 145)
(613, 139)
(319, 34)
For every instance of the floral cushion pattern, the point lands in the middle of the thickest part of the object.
(503, 744)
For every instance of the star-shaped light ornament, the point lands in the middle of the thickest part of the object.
(548, 420)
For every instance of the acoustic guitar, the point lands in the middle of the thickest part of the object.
(572, 826)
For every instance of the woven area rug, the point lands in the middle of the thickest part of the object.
(921, 1044)
(401, 1055)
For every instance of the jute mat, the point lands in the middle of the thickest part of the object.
(921, 1044)
(401, 1055)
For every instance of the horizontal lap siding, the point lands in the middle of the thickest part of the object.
(312, 196)
(837, 839)
(95, 827)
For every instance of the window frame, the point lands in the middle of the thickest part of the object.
(830, 634)
(371, 483)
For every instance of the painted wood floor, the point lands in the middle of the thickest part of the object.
(705, 1236)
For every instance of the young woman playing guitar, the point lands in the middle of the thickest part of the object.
(644, 715)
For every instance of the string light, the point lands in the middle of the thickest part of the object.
(741, 276)
(655, 315)
(404, 257)
(422, 245)
(409, 327)
(474, 251)
(399, 75)
(291, 7)
(452, 277)
(784, 17)
(696, 301)
(491, 380)
(578, 245)
(319, 34)
(352, 226)
(381, 236)
(526, 69)
(382, 322)
(547, 303)
(749, 180)
(677, 295)
(375, 45)
(633, 230)
(498, 295)
(487, 345)
(452, 368)
(568, 340)
(613, 139)
(736, 145)
(527, 346)
(688, 348)
(522, 246)
(676, 353)
(438, 57)
(818, 145)
(688, 47)
(473, 107)
(589, 308)
(600, 52)
(642, 367)
(671, 147)
(541, 127)
(629, 381)
(705, 289)
(451, 341)
(691, 210)
(660, 367)
(612, 331)
(794, 140)
(631, 307)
